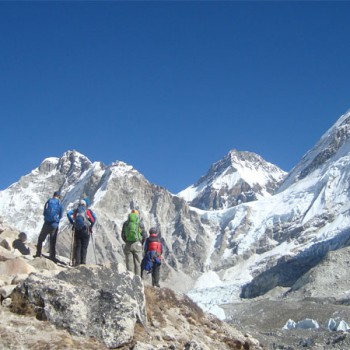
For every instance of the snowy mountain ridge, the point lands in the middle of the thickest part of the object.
(272, 242)
(233, 248)
(328, 146)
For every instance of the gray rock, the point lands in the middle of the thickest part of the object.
(104, 302)
(5, 291)
(194, 345)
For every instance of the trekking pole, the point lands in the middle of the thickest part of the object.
(93, 246)
(72, 248)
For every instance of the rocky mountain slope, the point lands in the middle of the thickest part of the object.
(114, 190)
(44, 306)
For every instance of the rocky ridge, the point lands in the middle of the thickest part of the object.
(99, 307)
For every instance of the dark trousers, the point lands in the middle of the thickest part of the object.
(82, 239)
(47, 229)
(155, 275)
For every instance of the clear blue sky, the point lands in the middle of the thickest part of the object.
(169, 87)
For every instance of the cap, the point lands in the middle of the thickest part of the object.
(57, 194)
(82, 202)
(153, 230)
(134, 211)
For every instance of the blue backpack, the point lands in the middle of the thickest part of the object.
(81, 221)
(52, 210)
(149, 260)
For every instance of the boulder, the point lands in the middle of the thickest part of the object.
(104, 302)
(5, 244)
(15, 266)
(5, 291)
(5, 254)
(44, 264)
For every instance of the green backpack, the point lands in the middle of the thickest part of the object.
(132, 231)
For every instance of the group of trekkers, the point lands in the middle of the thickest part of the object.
(142, 252)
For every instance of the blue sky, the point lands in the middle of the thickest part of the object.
(169, 87)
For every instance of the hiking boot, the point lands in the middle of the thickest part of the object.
(37, 256)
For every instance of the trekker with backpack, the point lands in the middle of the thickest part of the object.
(134, 235)
(153, 256)
(52, 215)
(82, 219)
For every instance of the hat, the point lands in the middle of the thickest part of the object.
(22, 236)
(57, 194)
(153, 230)
(82, 202)
(134, 211)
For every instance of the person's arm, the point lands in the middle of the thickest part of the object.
(145, 248)
(45, 206)
(91, 216)
(144, 236)
(143, 232)
(70, 216)
(123, 231)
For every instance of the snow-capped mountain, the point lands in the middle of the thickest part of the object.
(220, 255)
(237, 178)
(274, 241)
(113, 190)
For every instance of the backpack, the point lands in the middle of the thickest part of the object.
(52, 210)
(149, 260)
(132, 229)
(81, 220)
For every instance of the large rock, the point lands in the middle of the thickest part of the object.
(5, 254)
(104, 302)
(15, 266)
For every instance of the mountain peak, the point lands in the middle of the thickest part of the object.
(241, 176)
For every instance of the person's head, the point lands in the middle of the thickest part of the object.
(57, 194)
(22, 236)
(135, 211)
(82, 202)
(153, 231)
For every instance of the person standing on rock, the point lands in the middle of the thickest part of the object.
(82, 219)
(153, 256)
(52, 215)
(134, 235)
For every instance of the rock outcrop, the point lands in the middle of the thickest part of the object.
(94, 301)
(100, 307)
